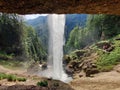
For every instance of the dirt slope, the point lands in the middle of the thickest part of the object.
(101, 81)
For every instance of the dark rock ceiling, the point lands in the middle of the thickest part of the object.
(60, 6)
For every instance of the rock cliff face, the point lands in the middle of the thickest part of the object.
(60, 6)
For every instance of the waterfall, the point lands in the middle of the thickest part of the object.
(56, 25)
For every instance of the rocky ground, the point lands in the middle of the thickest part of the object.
(85, 61)
(83, 66)
(101, 81)
(30, 83)
(80, 64)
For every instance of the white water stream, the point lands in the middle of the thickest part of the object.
(56, 25)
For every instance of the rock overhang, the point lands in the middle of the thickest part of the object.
(60, 6)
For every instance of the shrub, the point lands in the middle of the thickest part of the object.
(21, 79)
(3, 76)
(42, 83)
(11, 78)
(106, 61)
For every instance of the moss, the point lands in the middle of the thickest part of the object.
(77, 54)
(102, 43)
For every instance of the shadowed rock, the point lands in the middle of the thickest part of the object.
(60, 6)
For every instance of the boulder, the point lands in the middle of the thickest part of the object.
(80, 53)
(66, 59)
(44, 66)
(90, 71)
(106, 46)
(90, 68)
(69, 71)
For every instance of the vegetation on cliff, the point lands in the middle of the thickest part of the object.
(98, 27)
(100, 38)
(18, 41)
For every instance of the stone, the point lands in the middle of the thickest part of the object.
(66, 59)
(44, 66)
(117, 39)
(80, 53)
(80, 75)
(69, 71)
(90, 71)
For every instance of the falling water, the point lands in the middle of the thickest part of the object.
(56, 41)
(56, 24)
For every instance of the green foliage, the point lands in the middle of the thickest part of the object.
(106, 61)
(3, 76)
(72, 20)
(21, 79)
(33, 46)
(42, 83)
(73, 40)
(98, 27)
(5, 56)
(103, 26)
(12, 64)
(10, 34)
(78, 39)
(18, 39)
(11, 77)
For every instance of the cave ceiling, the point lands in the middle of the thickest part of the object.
(60, 6)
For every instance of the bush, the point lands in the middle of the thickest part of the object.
(42, 83)
(11, 78)
(21, 79)
(3, 76)
(107, 61)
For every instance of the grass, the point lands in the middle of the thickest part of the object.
(42, 83)
(9, 61)
(106, 61)
(12, 64)
(5, 56)
(21, 79)
(3, 76)
(11, 77)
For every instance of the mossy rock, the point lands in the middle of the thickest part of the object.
(78, 54)
(66, 59)
(102, 43)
